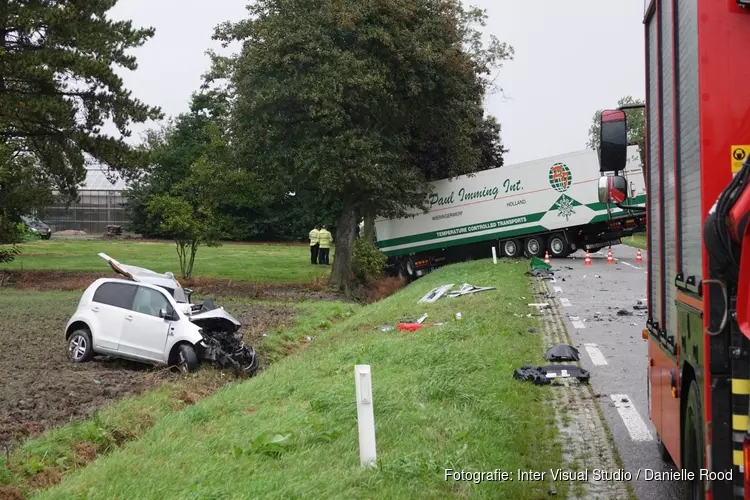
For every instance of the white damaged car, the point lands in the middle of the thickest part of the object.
(147, 317)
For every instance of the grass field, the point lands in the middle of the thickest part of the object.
(443, 396)
(241, 262)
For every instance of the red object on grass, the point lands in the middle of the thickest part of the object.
(409, 327)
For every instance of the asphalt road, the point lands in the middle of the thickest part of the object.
(612, 349)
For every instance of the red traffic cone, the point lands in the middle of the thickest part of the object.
(638, 257)
(610, 260)
(546, 257)
(587, 262)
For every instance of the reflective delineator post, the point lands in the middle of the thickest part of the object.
(365, 415)
(494, 255)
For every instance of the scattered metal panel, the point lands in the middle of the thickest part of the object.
(435, 293)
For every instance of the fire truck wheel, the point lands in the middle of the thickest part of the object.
(663, 453)
(693, 443)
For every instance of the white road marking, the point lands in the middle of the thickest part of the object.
(557, 289)
(577, 322)
(595, 354)
(565, 302)
(631, 418)
(628, 264)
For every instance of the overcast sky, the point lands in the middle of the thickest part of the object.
(571, 59)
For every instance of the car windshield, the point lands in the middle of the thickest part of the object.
(177, 293)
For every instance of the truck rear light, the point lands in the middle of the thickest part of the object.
(615, 224)
(422, 263)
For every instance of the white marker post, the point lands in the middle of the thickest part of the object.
(494, 255)
(365, 415)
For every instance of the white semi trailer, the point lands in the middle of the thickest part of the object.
(529, 208)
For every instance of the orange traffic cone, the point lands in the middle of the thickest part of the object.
(610, 260)
(587, 262)
(546, 257)
(638, 257)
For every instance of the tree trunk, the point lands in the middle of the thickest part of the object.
(369, 229)
(342, 260)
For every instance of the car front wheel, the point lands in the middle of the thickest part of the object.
(80, 348)
(187, 361)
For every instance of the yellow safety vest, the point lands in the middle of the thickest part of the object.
(325, 238)
(314, 235)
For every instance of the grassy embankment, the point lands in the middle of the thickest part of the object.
(638, 240)
(239, 262)
(42, 461)
(444, 397)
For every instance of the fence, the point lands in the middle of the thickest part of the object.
(94, 211)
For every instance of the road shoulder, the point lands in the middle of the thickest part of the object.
(584, 435)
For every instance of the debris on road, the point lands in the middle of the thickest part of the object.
(541, 305)
(640, 305)
(562, 352)
(543, 375)
(537, 263)
(623, 312)
(421, 319)
(541, 273)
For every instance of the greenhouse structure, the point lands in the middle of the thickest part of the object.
(100, 204)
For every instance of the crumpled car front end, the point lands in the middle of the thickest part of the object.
(224, 344)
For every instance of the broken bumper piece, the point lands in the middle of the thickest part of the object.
(542, 375)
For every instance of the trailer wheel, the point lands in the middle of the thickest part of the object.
(511, 248)
(534, 246)
(558, 246)
(693, 443)
(411, 273)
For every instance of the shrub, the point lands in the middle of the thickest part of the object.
(368, 261)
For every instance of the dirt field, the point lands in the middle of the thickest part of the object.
(40, 388)
(66, 280)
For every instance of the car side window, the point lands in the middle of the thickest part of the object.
(115, 294)
(150, 301)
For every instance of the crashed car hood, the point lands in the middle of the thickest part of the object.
(216, 319)
(137, 273)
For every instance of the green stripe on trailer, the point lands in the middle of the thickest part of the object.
(465, 241)
(631, 201)
(473, 228)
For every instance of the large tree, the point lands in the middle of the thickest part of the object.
(58, 87)
(636, 126)
(365, 102)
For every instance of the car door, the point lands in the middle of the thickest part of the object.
(144, 333)
(111, 303)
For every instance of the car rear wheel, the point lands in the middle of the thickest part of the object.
(187, 361)
(80, 348)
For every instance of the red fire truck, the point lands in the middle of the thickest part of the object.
(698, 200)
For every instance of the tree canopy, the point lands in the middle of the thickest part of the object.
(363, 102)
(58, 87)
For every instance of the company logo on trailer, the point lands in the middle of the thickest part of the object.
(560, 177)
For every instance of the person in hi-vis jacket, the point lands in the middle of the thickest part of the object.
(314, 244)
(325, 238)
